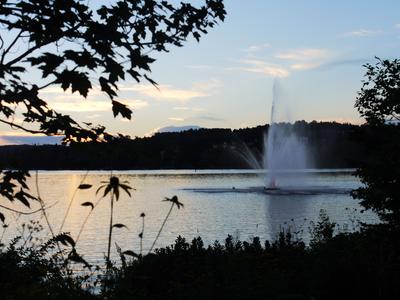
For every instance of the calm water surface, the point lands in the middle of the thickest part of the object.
(210, 215)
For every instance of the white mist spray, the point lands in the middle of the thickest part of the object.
(284, 151)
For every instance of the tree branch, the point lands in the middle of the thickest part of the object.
(38, 46)
(47, 85)
(10, 46)
(21, 127)
(26, 53)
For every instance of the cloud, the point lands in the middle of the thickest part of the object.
(256, 48)
(303, 54)
(343, 62)
(207, 86)
(181, 108)
(186, 108)
(4, 142)
(94, 116)
(81, 106)
(60, 100)
(362, 33)
(262, 67)
(199, 67)
(16, 133)
(305, 66)
(397, 26)
(176, 119)
(170, 93)
(72, 104)
(210, 118)
(305, 59)
(68, 102)
(323, 66)
(95, 91)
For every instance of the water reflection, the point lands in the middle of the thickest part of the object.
(286, 211)
(212, 216)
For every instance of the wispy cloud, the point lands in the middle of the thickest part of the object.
(170, 93)
(305, 59)
(187, 108)
(199, 67)
(256, 48)
(303, 54)
(95, 116)
(176, 119)
(78, 105)
(19, 133)
(82, 106)
(397, 26)
(305, 66)
(362, 33)
(209, 118)
(262, 67)
(343, 62)
(181, 108)
(95, 102)
(208, 86)
(95, 91)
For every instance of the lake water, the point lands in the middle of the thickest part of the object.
(216, 203)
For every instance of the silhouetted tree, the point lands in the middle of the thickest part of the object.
(379, 98)
(379, 102)
(75, 47)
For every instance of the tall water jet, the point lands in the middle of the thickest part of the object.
(285, 152)
(269, 142)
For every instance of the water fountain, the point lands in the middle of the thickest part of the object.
(283, 163)
(284, 151)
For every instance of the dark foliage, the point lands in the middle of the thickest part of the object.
(379, 98)
(380, 173)
(359, 265)
(33, 269)
(362, 265)
(379, 103)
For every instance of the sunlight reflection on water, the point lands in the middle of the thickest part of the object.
(210, 215)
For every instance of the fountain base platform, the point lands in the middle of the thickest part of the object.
(282, 191)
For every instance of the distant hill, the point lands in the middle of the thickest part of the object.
(177, 128)
(29, 140)
(330, 145)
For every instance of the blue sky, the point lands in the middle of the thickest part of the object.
(315, 48)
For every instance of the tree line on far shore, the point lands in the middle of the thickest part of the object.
(328, 144)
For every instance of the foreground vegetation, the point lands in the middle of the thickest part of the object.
(358, 265)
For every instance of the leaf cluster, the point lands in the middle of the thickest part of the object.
(77, 48)
(378, 101)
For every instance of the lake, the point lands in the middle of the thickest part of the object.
(216, 203)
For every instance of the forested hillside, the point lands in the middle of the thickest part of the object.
(330, 145)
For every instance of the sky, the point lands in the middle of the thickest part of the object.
(313, 49)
